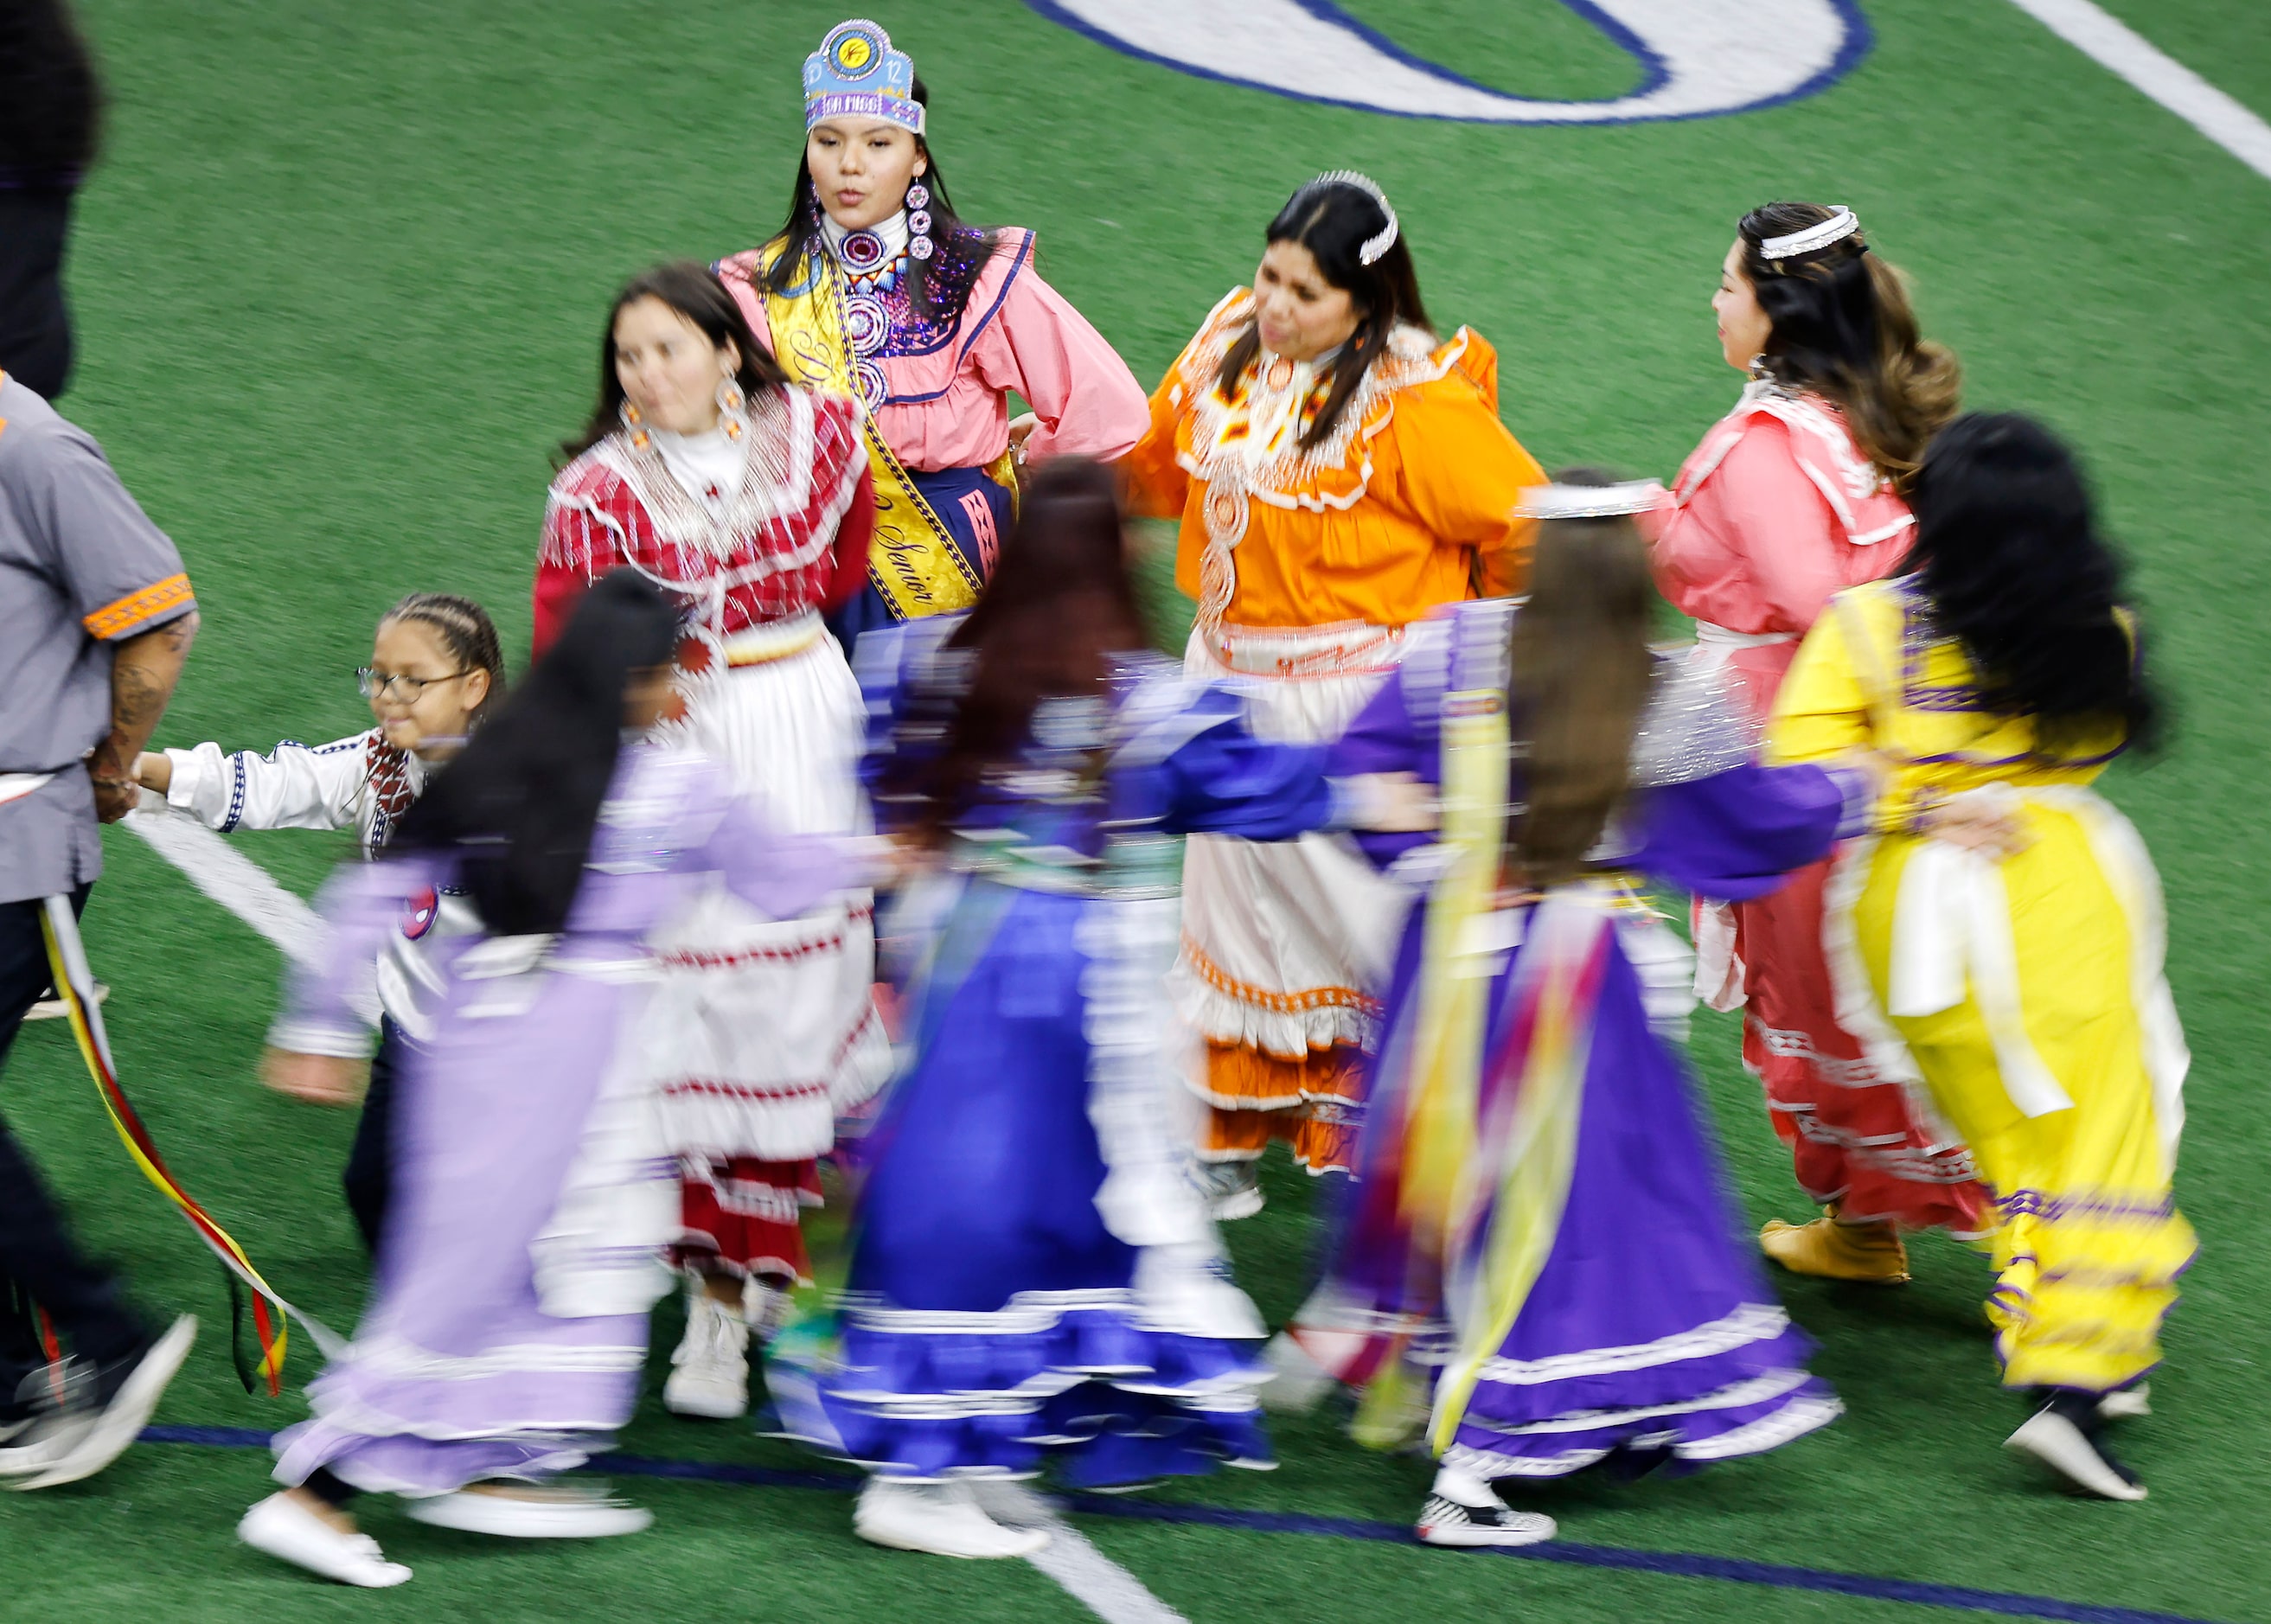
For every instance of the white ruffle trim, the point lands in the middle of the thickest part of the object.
(1751, 1323)
(1223, 1019)
(1808, 1412)
(1150, 1197)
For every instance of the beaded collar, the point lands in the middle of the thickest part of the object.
(777, 480)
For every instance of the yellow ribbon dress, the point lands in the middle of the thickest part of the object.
(2024, 1000)
(914, 560)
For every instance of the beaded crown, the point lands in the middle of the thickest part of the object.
(856, 74)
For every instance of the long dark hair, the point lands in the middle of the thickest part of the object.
(1060, 605)
(517, 808)
(51, 100)
(2009, 555)
(1581, 673)
(1334, 220)
(1843, 327)
(937, 288)
(694, 292)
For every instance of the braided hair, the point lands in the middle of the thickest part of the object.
(466, 631)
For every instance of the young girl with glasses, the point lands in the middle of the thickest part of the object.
(436, 670)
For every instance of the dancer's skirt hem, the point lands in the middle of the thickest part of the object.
(927, 1396)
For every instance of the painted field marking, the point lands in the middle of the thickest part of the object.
(1671, 1564)
(232, 879)
(245, 888)
(1696, 58)
(2113, 44)
(1091, 1578)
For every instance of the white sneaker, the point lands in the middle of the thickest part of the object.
(768, 1310)
(37, 1446)
(1298, 1383)
(1233, 1189)
(709, 1375)
(56, 1009)
(1447, 1522)
(943, 1519)
(2055, 1441)
(533, 1511)
(121, 1420)
(287, 1530)
(2127, 1403)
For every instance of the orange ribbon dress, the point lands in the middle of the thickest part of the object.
(1308, 562)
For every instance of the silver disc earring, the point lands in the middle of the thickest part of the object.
(918, 243)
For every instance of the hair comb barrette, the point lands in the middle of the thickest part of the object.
(1373, 246)
(1841, 224)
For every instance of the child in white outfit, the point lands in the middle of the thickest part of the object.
(435, 666)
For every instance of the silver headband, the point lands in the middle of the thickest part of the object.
(1374, 247)
(1841, 224)
(1589, 500)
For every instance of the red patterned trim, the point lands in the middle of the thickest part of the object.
(765, 956)
(742, 1091)
(790, 1091)
(757, 567)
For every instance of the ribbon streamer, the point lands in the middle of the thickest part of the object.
(75, 983)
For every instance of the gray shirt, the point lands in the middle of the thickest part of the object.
(81, 568)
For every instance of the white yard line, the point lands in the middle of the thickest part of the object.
(232, 879)
(244, 887)
(1093, 1579)
(2113, 44)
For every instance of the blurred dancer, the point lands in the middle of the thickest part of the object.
(1339, 471)
(1797, 493)
(873, 286)
(1541, 1230)
(435, 666)
(746, 498)
(2019, 978)
(1035, 1269)
(51, 119)
(96, 619)
(533, 1195)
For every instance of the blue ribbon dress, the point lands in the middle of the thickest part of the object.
(1034, 1269)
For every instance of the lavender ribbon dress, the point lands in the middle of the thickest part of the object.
(1649, 1329)
(534, 1185)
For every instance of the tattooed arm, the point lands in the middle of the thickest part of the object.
(143, 673)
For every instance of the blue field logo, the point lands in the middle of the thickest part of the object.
(1698, 58)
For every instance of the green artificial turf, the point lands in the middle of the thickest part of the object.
(339, 281)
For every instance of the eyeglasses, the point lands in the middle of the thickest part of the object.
(393, 685)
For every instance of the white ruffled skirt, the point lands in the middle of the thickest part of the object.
(765, 1031)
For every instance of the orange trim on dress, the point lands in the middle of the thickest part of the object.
(136, 608)
(1279, 1003)
(1243, 1079)
(1322, 1139)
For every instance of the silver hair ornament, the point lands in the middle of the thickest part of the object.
(1841, 224)
(1589, 500)
(1374, 246)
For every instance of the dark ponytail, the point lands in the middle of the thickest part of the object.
(2009, 555)
(517, 808)
(1581, 672)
